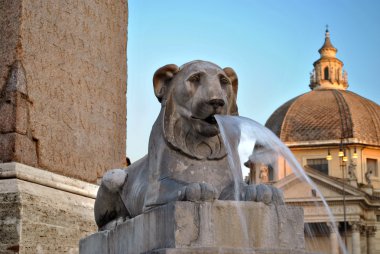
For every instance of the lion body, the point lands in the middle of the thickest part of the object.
(186, 157)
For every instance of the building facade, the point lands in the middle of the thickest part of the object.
(335, 135)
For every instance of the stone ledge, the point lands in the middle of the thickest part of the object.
(215, 225)
(227, 251)
(48, 179)
(35, 218)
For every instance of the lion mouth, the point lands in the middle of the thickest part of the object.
(211, 120)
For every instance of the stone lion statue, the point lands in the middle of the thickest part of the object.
(186, 159)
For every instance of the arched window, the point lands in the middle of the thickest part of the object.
(326, 71)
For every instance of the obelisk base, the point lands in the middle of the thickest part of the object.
(43, 212)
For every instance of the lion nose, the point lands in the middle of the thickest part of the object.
(216, 103)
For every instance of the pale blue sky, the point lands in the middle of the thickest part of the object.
(270, 44)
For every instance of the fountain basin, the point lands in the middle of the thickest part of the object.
(205, 227)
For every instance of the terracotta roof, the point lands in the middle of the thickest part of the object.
(327, 115)
(327, 44)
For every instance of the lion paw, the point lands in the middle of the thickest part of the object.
(114, 179)
(112, 224)
(200, 192)
(250, 193)
(264, 193)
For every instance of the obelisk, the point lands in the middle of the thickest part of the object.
(62, 117)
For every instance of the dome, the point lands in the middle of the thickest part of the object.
(327, 114)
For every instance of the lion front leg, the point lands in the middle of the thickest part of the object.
(263, 193)
(109, 208)
(173, 190)
(259, 193)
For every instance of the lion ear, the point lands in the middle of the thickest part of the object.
(233, 77)
(233, 109)
(161, 78)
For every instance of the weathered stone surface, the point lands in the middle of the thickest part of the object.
(10, 21)
(7, 116)
(15, 133)
(68, 58)
(42, 212)
(17, 147)
(214, 225)
(227, 251)
(14, 103)
(96, 242)
(9, 217)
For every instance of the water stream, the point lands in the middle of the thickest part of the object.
(245, 139)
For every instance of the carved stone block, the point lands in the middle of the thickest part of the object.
(201, 227)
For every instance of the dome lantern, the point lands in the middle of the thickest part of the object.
(328, 70)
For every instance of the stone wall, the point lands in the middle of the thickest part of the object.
(63, 85)
(42, 212)
(10, 213)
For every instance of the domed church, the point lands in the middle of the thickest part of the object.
(335, 135)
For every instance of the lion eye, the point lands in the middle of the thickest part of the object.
(224, 80)
(195, 77)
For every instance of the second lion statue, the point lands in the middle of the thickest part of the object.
(186, 159)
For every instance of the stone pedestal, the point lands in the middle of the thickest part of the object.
(43, 212)
(227, 251)
(208, 227)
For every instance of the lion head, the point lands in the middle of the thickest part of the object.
(191, 95)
